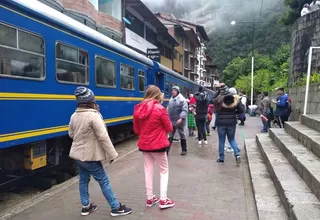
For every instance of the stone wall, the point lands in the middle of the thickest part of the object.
(306, 33)
(297, 95)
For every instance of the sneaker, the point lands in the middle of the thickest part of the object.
(199, 142)
(229, 149)
(151, 202)
(87, 210)
(208, 134)
(220, 161)
(184, 153)
(166, 204)
(238, 160)
(122, 210)
(205, 142)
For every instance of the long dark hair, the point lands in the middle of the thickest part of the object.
(89, 105)
(218, 102)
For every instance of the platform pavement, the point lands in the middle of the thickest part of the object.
(201, 188)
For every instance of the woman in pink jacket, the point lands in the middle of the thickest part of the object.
(91, 145)
(151, 122)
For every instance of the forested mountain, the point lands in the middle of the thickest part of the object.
(230, 45)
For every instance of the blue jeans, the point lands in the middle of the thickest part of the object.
(230, 132)
(95, 169)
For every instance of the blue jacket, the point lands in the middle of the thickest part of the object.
(177, 108)
(282, 106)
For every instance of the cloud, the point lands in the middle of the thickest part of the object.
(213, 14)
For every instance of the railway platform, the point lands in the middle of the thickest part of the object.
(201, 188)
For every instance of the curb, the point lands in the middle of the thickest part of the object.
(17, 209)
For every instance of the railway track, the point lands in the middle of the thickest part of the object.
(34, 185)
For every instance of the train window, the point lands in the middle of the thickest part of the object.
(8, 36)
(19, 61)
(126, 77)
(167, 87)
(141, 80)
(71, 65)
(30, 42)
(105, 72)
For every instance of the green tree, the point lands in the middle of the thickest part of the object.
(293, 11)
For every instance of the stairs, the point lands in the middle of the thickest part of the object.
(285, 170)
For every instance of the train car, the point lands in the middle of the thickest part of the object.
(44, 56)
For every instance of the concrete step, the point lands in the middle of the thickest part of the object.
(297, 198)
(268, 203)
(309, 137)
(311, 121)
(305, 162)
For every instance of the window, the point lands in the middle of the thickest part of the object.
(21, 54)
(71, 65)
(141, 80)
(105, 72)
(127, 77)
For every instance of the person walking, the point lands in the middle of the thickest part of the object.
(178, 111)
(209, 118)
(201, 114)
(191, 120)
(228, 107)
(151, 122)
(265, 106)
(243, 100)
(283, 107)
(91, 145)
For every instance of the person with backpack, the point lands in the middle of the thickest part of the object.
(283, 107)
(265, 110)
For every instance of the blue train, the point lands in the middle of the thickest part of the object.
(44, 56)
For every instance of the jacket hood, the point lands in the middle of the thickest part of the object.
(200, 96)
(230, 101)
(144, 109)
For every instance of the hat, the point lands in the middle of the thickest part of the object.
(176, 88)
(233, 91)
(224, 90)
(84, 95)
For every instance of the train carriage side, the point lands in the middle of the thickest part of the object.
(41, 64)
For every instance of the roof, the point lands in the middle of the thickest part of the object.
(200, 29)
(148, 16)
(192, 36)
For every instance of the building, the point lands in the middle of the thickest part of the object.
(211, 75)
(190, 54)
(127, 21)
(103, 16)
(144, 31)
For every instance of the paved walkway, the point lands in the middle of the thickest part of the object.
(201, 188)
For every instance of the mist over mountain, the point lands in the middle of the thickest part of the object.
(213, 14)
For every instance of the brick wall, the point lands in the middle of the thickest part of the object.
(85, 7)
(306, 33)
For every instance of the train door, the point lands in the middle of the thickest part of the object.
(159, 80)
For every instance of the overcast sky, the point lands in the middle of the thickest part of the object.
(214, 13)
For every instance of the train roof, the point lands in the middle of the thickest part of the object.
(51, 14)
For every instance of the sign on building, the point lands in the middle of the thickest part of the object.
(154, 54)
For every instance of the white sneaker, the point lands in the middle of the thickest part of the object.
(199, 142)
(229, 149)
(205, 142)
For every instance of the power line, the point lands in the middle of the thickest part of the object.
(261, 9)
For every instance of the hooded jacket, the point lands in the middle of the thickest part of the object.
(202, 104)
(90, 137)
(177, 108)
(151, 122)
(229, 108)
